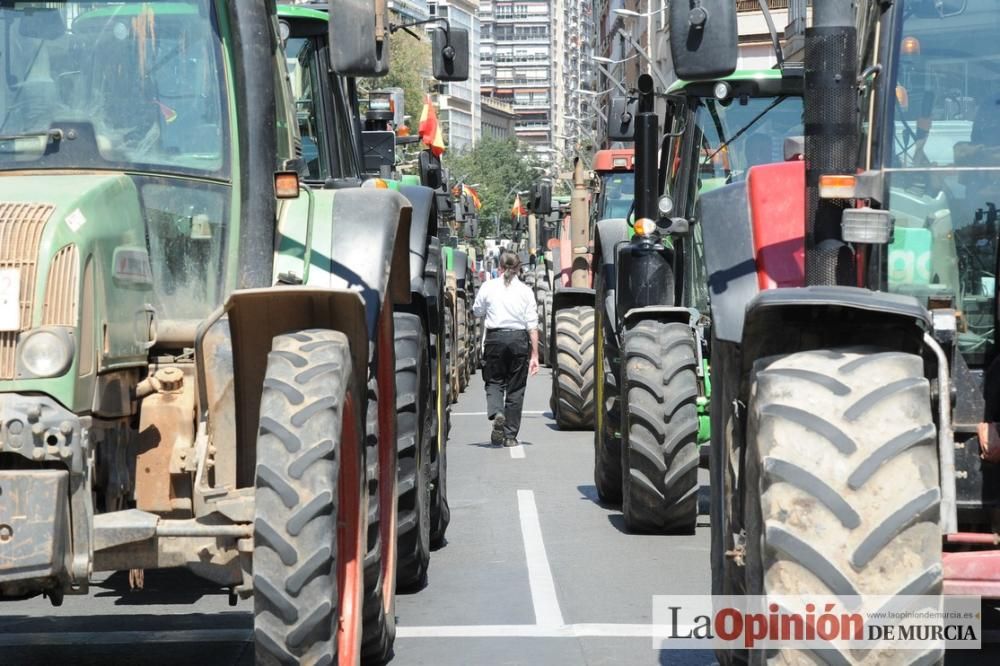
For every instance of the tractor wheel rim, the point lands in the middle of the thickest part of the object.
(349, 543)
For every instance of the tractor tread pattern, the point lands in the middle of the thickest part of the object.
(856, 518)
(295, 571)
(574, 368)
(660, 428)
(414, 457)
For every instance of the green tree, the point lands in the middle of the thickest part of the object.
(498, 167)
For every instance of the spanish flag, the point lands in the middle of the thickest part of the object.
(518, 210)
(430, 130)
(472, 194)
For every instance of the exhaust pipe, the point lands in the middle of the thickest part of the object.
(646, 146)
(831, 135)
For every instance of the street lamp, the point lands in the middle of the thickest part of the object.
(611, 77)
(645, 56)
(609, 61)
(633, 14)
(595, 93)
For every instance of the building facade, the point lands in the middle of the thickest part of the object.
(574, 113)
(515, 54)
(458, 101)
(498, 119)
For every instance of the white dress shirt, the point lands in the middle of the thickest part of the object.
(506, 305)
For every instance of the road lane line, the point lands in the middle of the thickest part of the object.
(543, 587)
(126, 637)
(517, 451)
(533, 631)
(524, 413)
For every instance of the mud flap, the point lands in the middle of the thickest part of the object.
(35, 547)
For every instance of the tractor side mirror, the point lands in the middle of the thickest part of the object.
(620, 119)
(541, 198)
(356, 49)
(450, 54)
(379, 150)
(430, 170)
(703, 38)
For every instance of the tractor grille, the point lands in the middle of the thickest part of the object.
(21, 226)
(61, 289)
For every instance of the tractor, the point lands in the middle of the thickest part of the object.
(193, 385)
(570, 320)
(647, 453)
(422, 509)
(853, 305)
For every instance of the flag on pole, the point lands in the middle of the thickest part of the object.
(472, 194)
(430, 129)
(518, 210)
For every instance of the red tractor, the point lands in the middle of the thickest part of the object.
(853, 298)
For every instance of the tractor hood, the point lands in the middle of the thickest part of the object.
(74, 272)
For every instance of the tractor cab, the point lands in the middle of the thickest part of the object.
(615, 171)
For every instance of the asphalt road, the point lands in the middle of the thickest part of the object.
(535, 571)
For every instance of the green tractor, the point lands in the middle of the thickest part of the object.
(423, 408)
(649, 438)
(175, 391)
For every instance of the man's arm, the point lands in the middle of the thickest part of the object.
(479, 305)
(531, 316)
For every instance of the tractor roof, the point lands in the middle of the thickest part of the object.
(615, 159)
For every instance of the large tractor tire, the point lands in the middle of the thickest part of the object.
(451, 352)
(659, 428)
(841, 491)
(573, 369)
(464, 343)
(412, 396)
(382, 463)
(310, 503)
(543, 352)
(439, 423)
(607, 418)
(545, 332)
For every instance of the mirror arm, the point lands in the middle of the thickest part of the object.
(443, 22)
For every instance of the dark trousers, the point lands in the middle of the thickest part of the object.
(505, 370)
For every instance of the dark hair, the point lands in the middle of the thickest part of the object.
(510, 265)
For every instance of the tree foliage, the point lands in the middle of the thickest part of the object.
(498, 168)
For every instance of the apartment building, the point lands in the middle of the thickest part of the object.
(459, 109)
(515, 53)
(574, 114)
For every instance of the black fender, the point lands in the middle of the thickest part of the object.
(460, 266)
(571, 297)
(730, 261)
(370, 247)
(608, 235)
(645, 275)
(422, 201)
(784, 321)
(665, 314)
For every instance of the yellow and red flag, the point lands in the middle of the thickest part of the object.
(472, 194)
(430, 129)
(518, 210)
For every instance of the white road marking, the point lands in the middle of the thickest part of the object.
(533, 631)
(543, 587)
(524, 413)
(517, 451)
(126, 637)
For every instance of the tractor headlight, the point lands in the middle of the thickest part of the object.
(45, 352)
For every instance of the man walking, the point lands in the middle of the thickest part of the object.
(511, 335)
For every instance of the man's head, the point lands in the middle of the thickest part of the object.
(510, 265)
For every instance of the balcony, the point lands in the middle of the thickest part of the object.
(754, 5)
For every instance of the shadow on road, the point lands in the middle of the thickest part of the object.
(169, 587)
